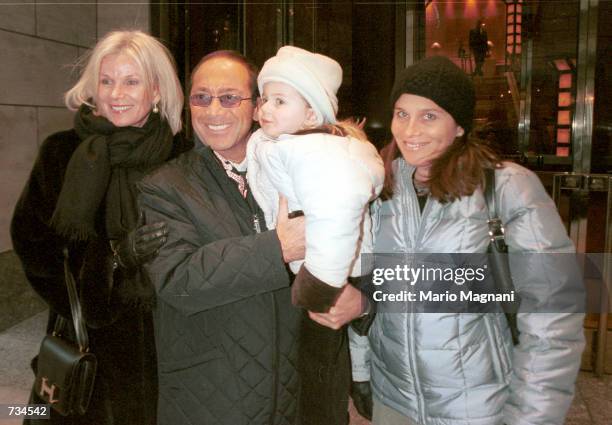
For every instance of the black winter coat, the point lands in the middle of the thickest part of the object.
(225, 327)
(120, 336)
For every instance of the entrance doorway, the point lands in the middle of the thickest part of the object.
(543, 98)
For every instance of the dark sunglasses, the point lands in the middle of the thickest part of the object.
(226, 100)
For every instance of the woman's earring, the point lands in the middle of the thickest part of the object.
(155, 108)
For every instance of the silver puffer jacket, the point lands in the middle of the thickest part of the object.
(459, 369)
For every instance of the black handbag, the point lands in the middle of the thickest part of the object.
(498, 258)
(66, 370)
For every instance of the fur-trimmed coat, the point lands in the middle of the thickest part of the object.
(120, 335)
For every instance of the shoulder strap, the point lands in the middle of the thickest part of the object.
(489, 192)
(75, 307)
(496, 227)
(500, 266)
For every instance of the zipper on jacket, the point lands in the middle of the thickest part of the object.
(413, 365)
(495, 341)
(256, 224)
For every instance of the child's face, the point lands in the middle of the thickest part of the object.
(282, 110)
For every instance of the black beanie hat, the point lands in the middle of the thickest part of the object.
(437, 78)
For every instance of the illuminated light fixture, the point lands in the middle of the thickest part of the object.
(491, 8)
(513, 32)
(564, 106)
(471, 9)
(561, 65)
(563, 135)
(565, 99)
(563, 117)
(562, 150)
(430, 13)
(449, 10)
(565, 81)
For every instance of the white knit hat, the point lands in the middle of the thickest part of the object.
(316, 77)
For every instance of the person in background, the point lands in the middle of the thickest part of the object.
(479, 45)
(81, 195)
(226, 331)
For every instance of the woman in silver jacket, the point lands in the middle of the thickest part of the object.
(453, 367)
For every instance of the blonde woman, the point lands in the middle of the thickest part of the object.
(81, 196)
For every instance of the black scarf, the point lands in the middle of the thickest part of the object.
(101, 177)
(105, 167)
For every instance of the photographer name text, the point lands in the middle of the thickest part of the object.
(433, 296)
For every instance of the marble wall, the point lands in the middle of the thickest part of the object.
(39, 43)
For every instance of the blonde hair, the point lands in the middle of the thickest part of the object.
(345, 128)
(153, 58)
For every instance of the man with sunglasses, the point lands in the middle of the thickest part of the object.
(225, 327)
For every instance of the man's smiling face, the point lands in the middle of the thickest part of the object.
(225, 130)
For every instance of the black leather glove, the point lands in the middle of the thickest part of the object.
(141, 245)
(361, 393)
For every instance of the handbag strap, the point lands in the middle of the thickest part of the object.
(496, 227)
(503, 283)
(75, 307)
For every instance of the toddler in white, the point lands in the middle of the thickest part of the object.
(329, 170)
